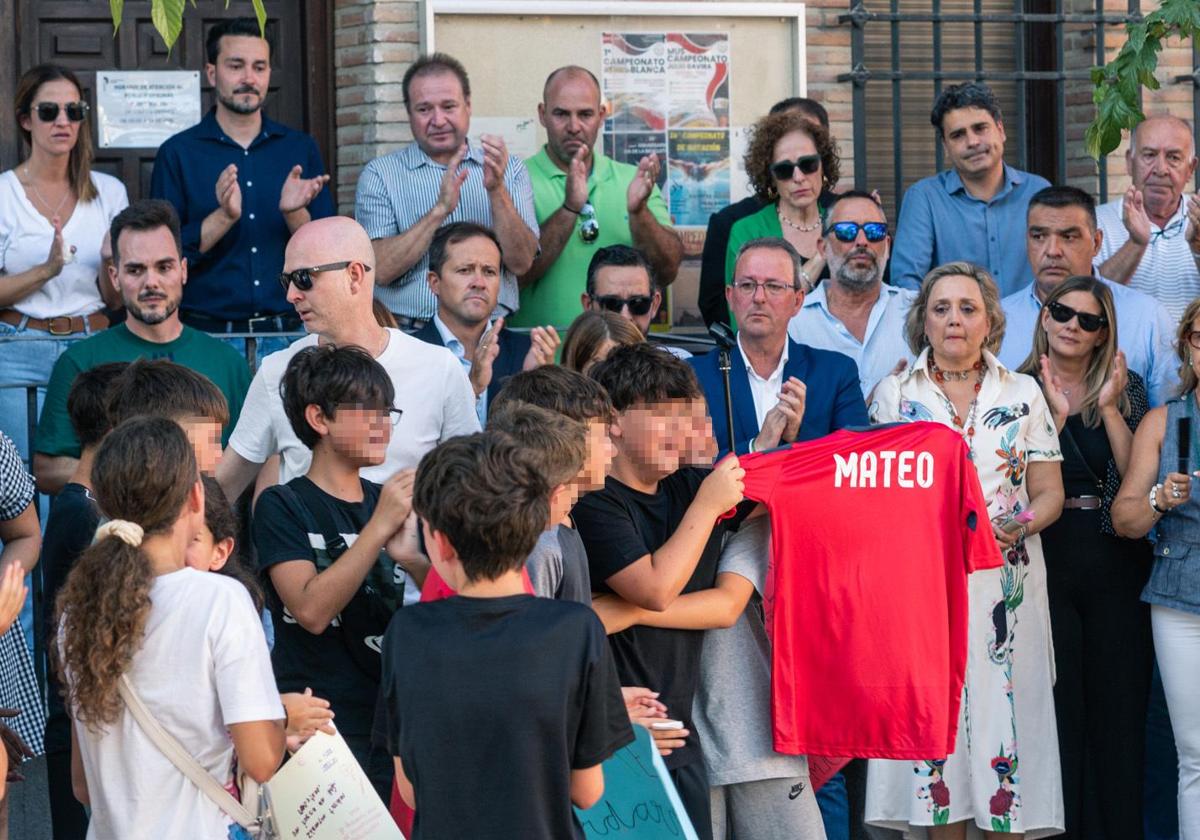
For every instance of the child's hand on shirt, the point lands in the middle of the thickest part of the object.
(306, 715)
(723, 488)
(395, 500)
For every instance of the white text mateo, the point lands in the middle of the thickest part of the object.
(885, 468)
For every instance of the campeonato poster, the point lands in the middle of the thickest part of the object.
(669, 94)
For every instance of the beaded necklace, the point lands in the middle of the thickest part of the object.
(941, 376)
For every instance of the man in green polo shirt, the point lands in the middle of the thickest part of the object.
(585, 201)
(149, 271)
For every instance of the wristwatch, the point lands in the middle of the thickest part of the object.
(1154, 500)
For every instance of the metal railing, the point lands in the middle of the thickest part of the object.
(1021, 53)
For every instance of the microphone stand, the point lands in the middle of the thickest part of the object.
(725, 339)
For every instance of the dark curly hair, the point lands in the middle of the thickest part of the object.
(761, 152)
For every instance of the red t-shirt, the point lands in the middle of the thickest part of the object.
(873, 535)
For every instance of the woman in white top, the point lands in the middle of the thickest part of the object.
(189, 641)
(54, 218)
(1003, 777)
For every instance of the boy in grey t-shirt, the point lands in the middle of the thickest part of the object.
(558, 566)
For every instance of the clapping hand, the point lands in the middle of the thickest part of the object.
(484, 357)
(229, 193)
(543, 344)
(495, 161)
(576, 194)
(642, 184)
(298, 192)
(1134, 217)
(452, 181)
(1193, 224)
(1115, 382)
(1056, 397)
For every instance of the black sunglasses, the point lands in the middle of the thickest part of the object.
(638, 304)
(808, 165)
(1087, 321)
(48, 111)
(589, 226)
(848, 231)
(302, 277)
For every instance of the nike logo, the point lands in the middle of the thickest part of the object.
(796, 790)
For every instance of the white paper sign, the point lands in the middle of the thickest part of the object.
(140, 109)
(519, 133)
(323, 794)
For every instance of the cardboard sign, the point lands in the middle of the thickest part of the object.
(323, 794)
(639, 799)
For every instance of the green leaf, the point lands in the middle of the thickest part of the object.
(260, 12)
(167, 17)
(116, 7)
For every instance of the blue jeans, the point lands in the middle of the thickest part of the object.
(835, 808)
(265, 345)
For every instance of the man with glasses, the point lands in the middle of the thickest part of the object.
(853, 312)
(241, 184)
(464, 275)
(1152, 233)
(974, 210)
(1062, 240)
(586, 201)
(620, 279)
(782, 391)
(330, 281)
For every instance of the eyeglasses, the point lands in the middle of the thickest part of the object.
(772, 288)
(48, 111)
(589, 227)
(1087, 321)
(1169, 231)
(1193, 339)
(638, 304)
(302, 277)
(848, 231)
(393, 414)
(783, 169)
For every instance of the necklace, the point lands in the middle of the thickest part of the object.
(940, 376)
(42, 198)
(796, 225)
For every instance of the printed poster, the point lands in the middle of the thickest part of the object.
(139, 109)
(668, 93)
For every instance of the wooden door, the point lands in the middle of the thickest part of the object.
(78, 34)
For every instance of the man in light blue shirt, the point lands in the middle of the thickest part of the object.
(853, 312)
(973, 211)
(1062, 240)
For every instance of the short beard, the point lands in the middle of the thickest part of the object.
(852, 279)
(237, 107)
(151, 319)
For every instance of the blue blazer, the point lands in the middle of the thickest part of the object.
(514, 346)
(833, 401)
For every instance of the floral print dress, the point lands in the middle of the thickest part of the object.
(1004, 772)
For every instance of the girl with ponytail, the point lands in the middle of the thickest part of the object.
(190, 642)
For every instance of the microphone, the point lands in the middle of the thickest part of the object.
(722, 334)
(1184, 443)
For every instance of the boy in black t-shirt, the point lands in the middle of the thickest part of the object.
(327, 542)
(502, 722)
(70, 527)
(651, 533)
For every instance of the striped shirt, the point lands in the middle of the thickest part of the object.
(1167, 270)
(396, 190)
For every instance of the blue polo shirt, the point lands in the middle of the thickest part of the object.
(941, 222)
(238, 277)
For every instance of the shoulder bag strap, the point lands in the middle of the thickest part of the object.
(182, 759)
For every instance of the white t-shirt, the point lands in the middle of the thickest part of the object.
(432, 391)
(26, 236)
(203, 666)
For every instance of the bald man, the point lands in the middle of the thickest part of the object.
(1152, 233)
(585, 201)
(329, 279)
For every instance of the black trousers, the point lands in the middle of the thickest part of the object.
(69, 820)
(691, 782)
(1103, 653)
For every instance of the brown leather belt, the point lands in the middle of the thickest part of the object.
(1083, 503)
(62, 325)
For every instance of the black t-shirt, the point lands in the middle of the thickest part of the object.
(505, 697)
(620, 525)
(70, 528)
(285, 529)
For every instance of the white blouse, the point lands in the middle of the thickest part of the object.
(26, 236)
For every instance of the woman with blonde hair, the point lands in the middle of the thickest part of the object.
(593, 335)
(1003, 775)
(1102, 645)
(1157, 493)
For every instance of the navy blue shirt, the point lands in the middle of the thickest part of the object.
(238, 277)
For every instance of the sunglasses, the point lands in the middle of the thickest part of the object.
(808, 165)
(589, 228)
(638, 304)
(1087, 321)
(302, 277)
(848, 231)
(48, 111)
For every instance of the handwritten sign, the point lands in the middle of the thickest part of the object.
(140, 109)
(639, 799)
(323, 794)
